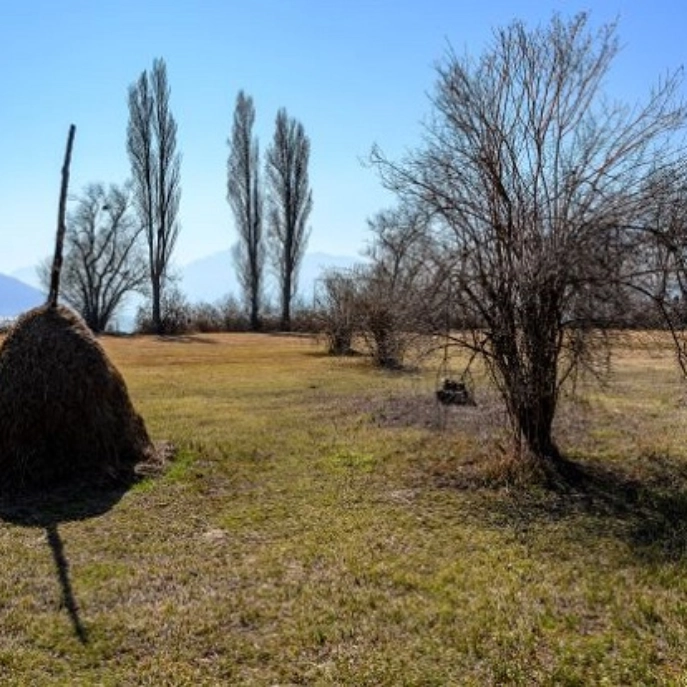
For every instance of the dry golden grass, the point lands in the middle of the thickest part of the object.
(313, 530)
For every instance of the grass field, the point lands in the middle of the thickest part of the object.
(319, 527)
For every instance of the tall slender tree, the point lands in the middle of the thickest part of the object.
(155, 168)
(245, 197)
(290, 204)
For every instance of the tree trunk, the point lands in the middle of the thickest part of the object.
(255, 324)
(157, 312)
(534, 424)
(286, 303)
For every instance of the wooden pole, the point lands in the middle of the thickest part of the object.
(61, 223)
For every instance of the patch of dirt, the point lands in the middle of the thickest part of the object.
(423, 410)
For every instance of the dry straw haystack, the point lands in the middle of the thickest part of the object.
(65, 413)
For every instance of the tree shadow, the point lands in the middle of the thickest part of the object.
(47, 510)
(185, 338)
(644, 504)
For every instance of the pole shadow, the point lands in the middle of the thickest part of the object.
(62, 565)
(47, 510)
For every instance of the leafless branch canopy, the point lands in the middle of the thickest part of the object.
(531, 179)
(103, 259)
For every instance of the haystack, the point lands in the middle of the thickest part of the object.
(65, 413)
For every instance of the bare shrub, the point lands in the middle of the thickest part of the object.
(206, 318)
(234, 316)
(175, 315)
(336, 306)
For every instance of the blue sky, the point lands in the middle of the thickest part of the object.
(355, 72)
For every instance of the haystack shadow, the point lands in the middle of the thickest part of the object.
(47, 510)
(186, 339)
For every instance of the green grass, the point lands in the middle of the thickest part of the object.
(313, 531)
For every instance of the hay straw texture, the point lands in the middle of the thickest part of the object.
(65, 412)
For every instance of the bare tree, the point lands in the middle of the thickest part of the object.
(531, 179)
(103, 260)
(658, 272)
(392, 305)
(290, 204)
(244, 194)
(397, 291)
(336, 301)
(155, 167)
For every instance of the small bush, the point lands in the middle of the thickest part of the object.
(175, 315)
(206, 318)
(337, 311)
(234, 316)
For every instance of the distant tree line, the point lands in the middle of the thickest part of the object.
(121, 240)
